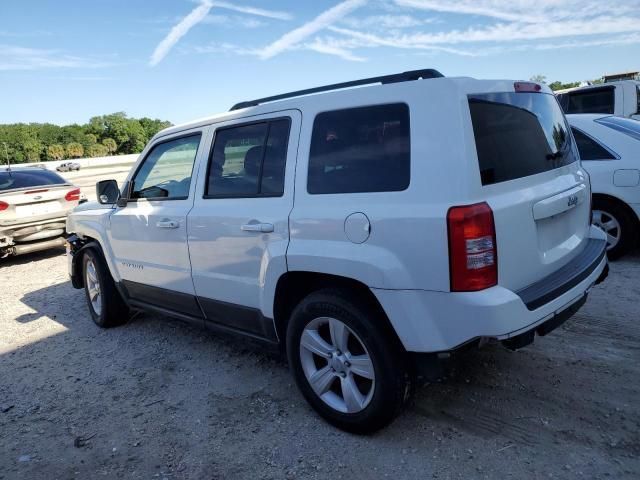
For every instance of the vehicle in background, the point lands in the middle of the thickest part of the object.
(614, 98)
(367, 232)
(609, 148)
(68, 167)
(34, 204)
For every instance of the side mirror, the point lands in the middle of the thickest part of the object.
(107, 192)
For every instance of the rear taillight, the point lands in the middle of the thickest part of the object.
(530, 87)
(72, 195)
(3, 206)
(473, 260)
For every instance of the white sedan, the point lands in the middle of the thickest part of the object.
(609, 148)
(34, 204)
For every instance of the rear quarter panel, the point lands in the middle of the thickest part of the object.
(408, 246)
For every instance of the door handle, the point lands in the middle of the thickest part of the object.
(166, 223)
(257, 227)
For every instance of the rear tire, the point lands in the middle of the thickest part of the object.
(106, 306)
(619, 225)
(349, 368)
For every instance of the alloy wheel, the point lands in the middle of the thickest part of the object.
(93, 287)
(337, 365)
(610, 225)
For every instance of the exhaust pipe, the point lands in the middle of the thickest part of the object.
(36, 247)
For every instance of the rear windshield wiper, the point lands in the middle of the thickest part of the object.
(556, 155)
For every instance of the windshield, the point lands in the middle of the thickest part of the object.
(519, 134)
(31, 178)
(625, 125)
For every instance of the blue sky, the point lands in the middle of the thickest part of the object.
(68, 60)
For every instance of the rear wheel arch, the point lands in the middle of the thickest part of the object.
(293, 287)
(630, 223)
(621, 203)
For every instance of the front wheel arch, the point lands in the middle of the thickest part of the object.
(76, 262)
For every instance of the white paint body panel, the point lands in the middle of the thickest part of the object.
(143, 252)
(404, 260)
(618, 178)
(236, 266)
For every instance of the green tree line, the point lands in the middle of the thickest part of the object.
(557, 85)
(113, 134)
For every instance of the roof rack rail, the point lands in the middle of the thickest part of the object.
(394, 78)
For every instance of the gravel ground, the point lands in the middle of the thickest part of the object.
(159, 399)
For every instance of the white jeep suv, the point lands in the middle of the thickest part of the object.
(367, 232)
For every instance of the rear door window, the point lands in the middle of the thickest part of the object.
(37, 177)
(593, 100)
(590, 149)
(519, 134)
(249, 160)
(364, 149)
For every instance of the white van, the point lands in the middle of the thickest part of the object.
(621, 98)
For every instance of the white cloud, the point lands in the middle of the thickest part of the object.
(233, 21)
(380, 22)
(505, 25)
(179, 30)
(496, 9)
(226, 48)
(261, 12)
(371, 40)
(14, 57)
(510, 32)
(324, 47)
(322, 21)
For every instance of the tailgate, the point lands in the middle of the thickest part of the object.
(531, 177)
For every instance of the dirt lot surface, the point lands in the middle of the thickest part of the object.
(159, 399)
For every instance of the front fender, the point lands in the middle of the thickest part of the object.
(92, 225)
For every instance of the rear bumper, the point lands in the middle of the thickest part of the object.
(11, 226)
(429, 321)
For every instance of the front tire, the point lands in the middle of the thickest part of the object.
(618, 224)
(106, 306)
(347, 365)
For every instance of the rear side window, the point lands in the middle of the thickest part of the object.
(590, 149)
(29, 178)
(627, 126)
(594, 100)
(249, 160)
(365, 149)
(519, 134)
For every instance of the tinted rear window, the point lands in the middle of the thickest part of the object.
(625, 125)
(363, 149)
(30, 178)
(593, 100)
(519, 134)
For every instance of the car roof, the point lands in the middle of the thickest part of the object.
(466, 85)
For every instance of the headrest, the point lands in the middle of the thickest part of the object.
(252, 160)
